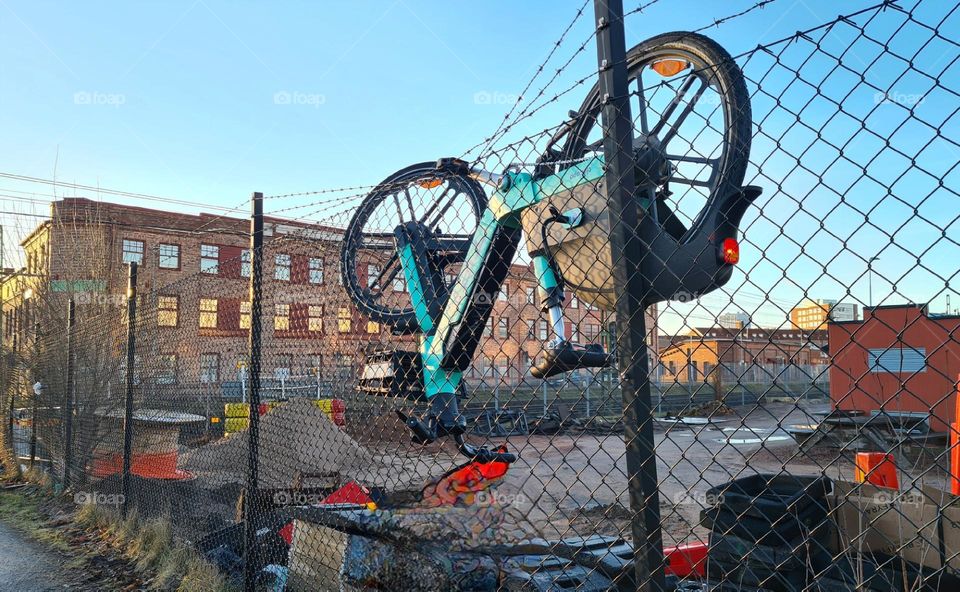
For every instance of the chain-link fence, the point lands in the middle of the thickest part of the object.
(697, 336)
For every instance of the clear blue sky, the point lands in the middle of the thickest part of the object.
(207, 101)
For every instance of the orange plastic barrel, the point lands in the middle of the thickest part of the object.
(876, 468)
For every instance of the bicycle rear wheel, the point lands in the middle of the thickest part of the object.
(689, 99)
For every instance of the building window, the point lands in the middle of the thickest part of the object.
(504, 294)
(574, 332)
(488, 327)
(281, 317)
(284, 363)
(167, 369)
(315, 318)
(246, 263)
(503, 328)
(168, 311)
(316, 271)
(531, 329)
(316, 364)
(208, 313)
(209, 368)
(169, 257)
(896, 360)
(399, 282)
(503, 368)
(344, 320)
(133, 251)
(574, 303)
(530, 293)
(543, 330)
(373, 327)
(281, 270)
(373, 274)
(209, 259)
(244, 315)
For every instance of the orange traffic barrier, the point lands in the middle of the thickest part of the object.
(955, 445)
(955, 458)
(876, 468)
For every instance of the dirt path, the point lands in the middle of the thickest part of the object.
(29, 566)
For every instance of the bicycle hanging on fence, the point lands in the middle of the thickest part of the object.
(433, 230)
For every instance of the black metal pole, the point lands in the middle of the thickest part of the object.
(256, 285)
(131, 373)
(68, 397)
(35, 408)
(6, 372)
(628, 249)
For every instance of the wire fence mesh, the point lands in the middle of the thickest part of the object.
(690, 338)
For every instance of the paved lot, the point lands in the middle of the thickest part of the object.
(567, 478)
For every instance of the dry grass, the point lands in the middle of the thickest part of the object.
(150, 545)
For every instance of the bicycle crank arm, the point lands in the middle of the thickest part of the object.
(445, 420)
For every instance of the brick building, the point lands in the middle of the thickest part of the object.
(899, 358)
(813, 315)
(693, 357)
(194, 310)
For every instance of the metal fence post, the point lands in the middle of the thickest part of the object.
(256, 285)
(68, 396)
(131, 374)
(632, 285)
(35, 407)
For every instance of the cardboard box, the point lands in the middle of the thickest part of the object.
(898, 523)
(316, 558)
(950, 533)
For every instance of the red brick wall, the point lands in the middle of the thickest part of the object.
(853, 386)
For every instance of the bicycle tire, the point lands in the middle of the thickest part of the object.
(397, 316)
(717, 63)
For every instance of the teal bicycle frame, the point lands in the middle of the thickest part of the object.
(497, 235)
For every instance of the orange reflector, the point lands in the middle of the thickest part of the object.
(214, 420)
(431, 183)
(667, 68)
(730, 251)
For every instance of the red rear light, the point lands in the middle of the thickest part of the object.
(730, 251)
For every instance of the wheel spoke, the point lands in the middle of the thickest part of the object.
(396, 201)
(675, 127)
(644, 125)
(413, 214)
(694, 159)
(668, 112)
(390, 261)
(443, 211)
(434, 203)
(694, 182)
